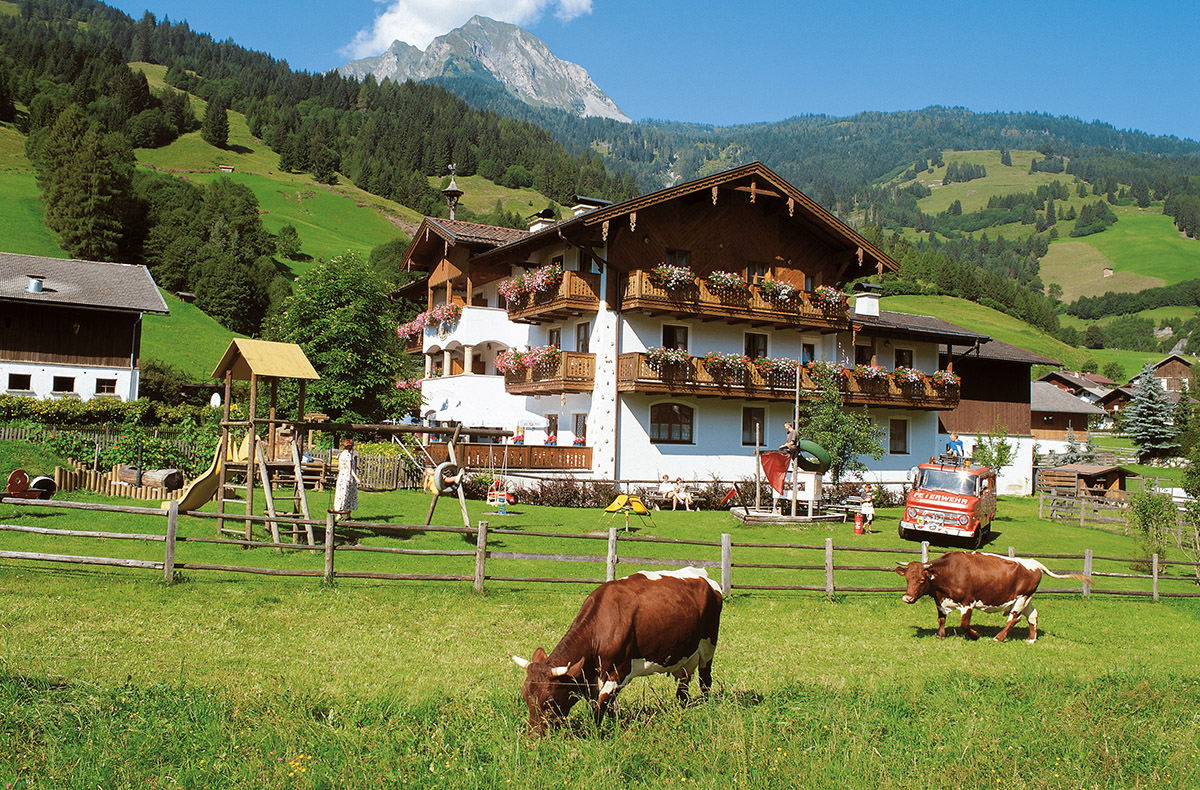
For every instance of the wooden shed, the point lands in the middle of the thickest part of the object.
(1087, 479)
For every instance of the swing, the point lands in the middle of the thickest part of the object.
(498, 494)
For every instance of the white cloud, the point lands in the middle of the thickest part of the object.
(418, 22)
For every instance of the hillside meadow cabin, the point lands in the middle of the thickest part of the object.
(72, 329)
(669, 333)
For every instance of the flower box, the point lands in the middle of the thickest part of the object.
(665, 275)
(726, 281)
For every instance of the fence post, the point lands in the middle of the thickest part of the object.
(610, 565)
(924, 551)
(480, 554)
(1087, 571)
(726, 563)
(329, 548)
(1012, 552)
(829, 567)
(172, 526)
(1082, 505)
(1154, 560)
(1041, 502)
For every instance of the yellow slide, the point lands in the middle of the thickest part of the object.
(200, 491)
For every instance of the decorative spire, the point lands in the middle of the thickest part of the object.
(452, 192)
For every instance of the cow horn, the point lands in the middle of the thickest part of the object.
(559, 671)
(522, 663)
(901, 563)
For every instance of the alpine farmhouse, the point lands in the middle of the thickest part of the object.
(614, 339)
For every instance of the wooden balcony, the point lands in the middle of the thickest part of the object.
(635, 374)
(575, 372)
(576, 294)
(414, 345)
(480, 457)
(749, 306)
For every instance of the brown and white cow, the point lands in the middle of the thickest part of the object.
(991, 582)
(644, 624)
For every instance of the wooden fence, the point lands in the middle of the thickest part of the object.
(620, 549)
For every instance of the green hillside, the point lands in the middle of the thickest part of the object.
(480, 196)
(1000, 180)
(187, 338)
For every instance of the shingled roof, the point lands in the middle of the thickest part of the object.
(457, 230)
(1004, 352)
(1044, 396)
(934, 329)
(110, 286)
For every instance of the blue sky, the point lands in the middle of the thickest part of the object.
(1129, 64)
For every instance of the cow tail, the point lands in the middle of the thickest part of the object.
(1081, 577)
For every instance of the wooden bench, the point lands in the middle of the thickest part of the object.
(655, 500)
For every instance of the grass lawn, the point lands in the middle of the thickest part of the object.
(187, 338)
(109, 677)
(480, 196)
(991, 322)
(23, 230)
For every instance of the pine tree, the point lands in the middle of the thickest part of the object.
(1148, 420)
(215, 129)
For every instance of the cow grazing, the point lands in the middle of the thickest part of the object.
(991, 582)
(644, 624)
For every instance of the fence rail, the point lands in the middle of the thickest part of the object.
(619, 551)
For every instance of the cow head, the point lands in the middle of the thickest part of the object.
(919, 578)
(549, 691)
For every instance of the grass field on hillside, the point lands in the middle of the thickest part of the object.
(991, 322)
(329, 223)
(23, 229)
(110, 678)
(1000, 180)
(187, 338)
(480, 196)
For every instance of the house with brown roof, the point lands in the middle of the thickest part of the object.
(72, 329)
(1054, 412)
(668, 333)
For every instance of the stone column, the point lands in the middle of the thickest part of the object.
(468, 359)
(428, 365)
(446, 366)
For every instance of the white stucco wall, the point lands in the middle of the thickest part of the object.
(41, 379)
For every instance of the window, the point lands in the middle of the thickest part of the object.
(64, 384)
(580, 426)
(808, 352)
(808, 283)
(22, 382)
(675, 336)
(904, 358)
(671, 423)
(756, 272)
(756, 345)
(678, 258)
(582, 333)
(106, 386)
(555, 338)
(754, 425)
(862, 355)
(898, 437)
(558, 260)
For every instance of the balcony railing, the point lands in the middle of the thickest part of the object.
(575, 371)
(514, 456)
(575, 295)
(636, 374)
(699, 298)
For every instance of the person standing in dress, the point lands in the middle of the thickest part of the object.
(345, 498)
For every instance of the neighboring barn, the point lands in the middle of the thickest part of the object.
(1054, 412)
(72, 329)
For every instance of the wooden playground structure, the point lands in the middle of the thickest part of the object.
(278, 462)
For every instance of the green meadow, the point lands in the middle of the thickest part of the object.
(480, 196)
(187, 338)
(110, 678)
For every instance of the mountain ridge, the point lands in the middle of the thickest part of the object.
(514, 57)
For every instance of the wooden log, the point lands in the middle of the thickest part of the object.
(75, 533)
(73, 559)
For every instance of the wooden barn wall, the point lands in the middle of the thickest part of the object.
(980, 416)
(1174, 372)
(990, 379)
(66, 336)
(1059, 421)
(727, 237)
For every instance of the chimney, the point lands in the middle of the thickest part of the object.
(867, 301)
(584, 204)
(542, 219)
(35, 284)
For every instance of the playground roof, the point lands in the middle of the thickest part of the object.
(264, 358)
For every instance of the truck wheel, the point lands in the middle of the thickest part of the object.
(977, 538)
(902, 531)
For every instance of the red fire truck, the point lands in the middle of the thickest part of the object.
(952, 500)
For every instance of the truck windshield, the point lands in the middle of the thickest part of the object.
(952, 482)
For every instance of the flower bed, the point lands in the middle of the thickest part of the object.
(721, 364)
(665, 275)
(443, 316)
(540, 280)
(409, 384)
(541, 358)
(659, 358)
(870, 372)
(727, 281)
(908, 376)
(778, 290)
(945, 378)
(827, 297)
